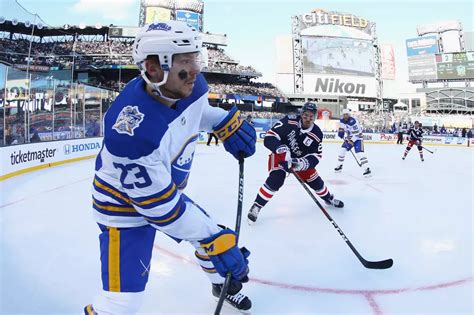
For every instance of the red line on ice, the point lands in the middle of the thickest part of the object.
(44, 191)
(367, 294)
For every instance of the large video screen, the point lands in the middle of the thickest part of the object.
(455, 65)
(332, 55)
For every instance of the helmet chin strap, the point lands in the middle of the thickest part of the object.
(155, 87)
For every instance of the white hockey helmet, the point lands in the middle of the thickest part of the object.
(164, 39)
(346, 111)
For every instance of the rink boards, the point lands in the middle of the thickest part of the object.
(20, 159)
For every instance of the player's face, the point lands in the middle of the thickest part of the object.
(182, 75)
(307, 119)
(346, 117)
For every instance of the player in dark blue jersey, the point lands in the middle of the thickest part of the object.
(416, 137)
(296, 144)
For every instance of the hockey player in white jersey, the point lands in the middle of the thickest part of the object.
(351, 132)
(150, 133)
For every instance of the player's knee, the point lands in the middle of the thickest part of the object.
(276, 180)
(118, 302)
(343, 152)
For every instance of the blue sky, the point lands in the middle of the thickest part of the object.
(251, 26)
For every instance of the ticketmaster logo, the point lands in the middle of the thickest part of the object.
(28, 156)
(73, 148)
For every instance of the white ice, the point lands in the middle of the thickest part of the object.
(419, 214)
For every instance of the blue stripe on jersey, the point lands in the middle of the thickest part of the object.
(160, 198)
(110, 191)
(171, 216)
(108, 208)
(202, 257)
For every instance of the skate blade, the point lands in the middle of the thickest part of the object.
(368, 176)
(229, 306)
(250, 222)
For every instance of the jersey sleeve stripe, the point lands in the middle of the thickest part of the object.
(271, 133)
(209, 270)
(104, 188)
(157, 199)
(202, 257)
(170, 217)
(314, 136)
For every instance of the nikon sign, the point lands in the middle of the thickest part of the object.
(340, 85)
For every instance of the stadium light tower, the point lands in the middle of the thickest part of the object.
(439, 29)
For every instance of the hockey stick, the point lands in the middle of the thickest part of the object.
(384, 264)
(432, 152)
(238, 220)
(357, 161)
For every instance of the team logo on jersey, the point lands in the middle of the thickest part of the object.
(181, 164)
(128, 119)
(307, 141)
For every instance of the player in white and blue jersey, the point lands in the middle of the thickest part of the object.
(150, 134)
(351, 132)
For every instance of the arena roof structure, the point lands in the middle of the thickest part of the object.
(46, 31)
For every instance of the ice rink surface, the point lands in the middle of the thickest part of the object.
(419, 214)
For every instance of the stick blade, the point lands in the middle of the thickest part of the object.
(383, 264)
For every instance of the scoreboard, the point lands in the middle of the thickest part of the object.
(455, 66)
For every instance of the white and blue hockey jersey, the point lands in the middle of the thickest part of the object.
(146, 160)
(352, 129)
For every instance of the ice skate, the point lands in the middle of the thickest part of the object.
(367, 172)
(335, 202)
(236, 300)
(253, 214)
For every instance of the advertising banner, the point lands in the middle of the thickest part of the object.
(123, 31)
(19, 159)
(455, 65)
(388, 62)
(422, 46)
(322, 17)
(192, 18)
(157, 14)
(422, 68)
(339, 85)
(388, 138)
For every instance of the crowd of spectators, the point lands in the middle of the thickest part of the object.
(219, 61)
(61, 54)
(98, 53)
(262, 114)
(218, 55)
(247, 88)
